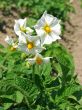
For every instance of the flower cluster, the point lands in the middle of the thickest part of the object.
(47, 31)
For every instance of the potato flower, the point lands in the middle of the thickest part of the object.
(48, 28)
(29, 44)
(20, 26)
(38, 59)
(10, 41)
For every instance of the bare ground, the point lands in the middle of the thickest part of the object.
(7, 20)
(72, 37)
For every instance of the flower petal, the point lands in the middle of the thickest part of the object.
(57, 29)
(28, 30)
(54, 37)
(40, 32)
(9, 40)
(33, 38)
(54, 22)
(23, 48)
(19, 23)
(38, 55)
(31, 60)
(22, 39)
(32, 51)
(46, 59)
(48, 18)
(47, 40)
(40, 22)
(17, 28)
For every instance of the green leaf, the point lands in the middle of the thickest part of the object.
(63, 58)
(1, 108)
(7, 105)
(19, 97)
(65, 92)
(1, 46)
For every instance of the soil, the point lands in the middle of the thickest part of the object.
(7, 20)
(72, 36)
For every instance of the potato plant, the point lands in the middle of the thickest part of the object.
(37, 72)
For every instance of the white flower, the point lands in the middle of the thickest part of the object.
(38, 59)
(14, 47)
(29, 44)
(48, 28)
(20, 26)
(10, 41)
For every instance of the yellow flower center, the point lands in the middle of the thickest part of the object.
(38, 60)
(47, 28)
(30, 45)
(13, 48)
(23, 29)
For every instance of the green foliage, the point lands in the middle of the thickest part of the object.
(34, 8)
(39, 87)
(56, 7)
(62, 59)
(81, 3)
